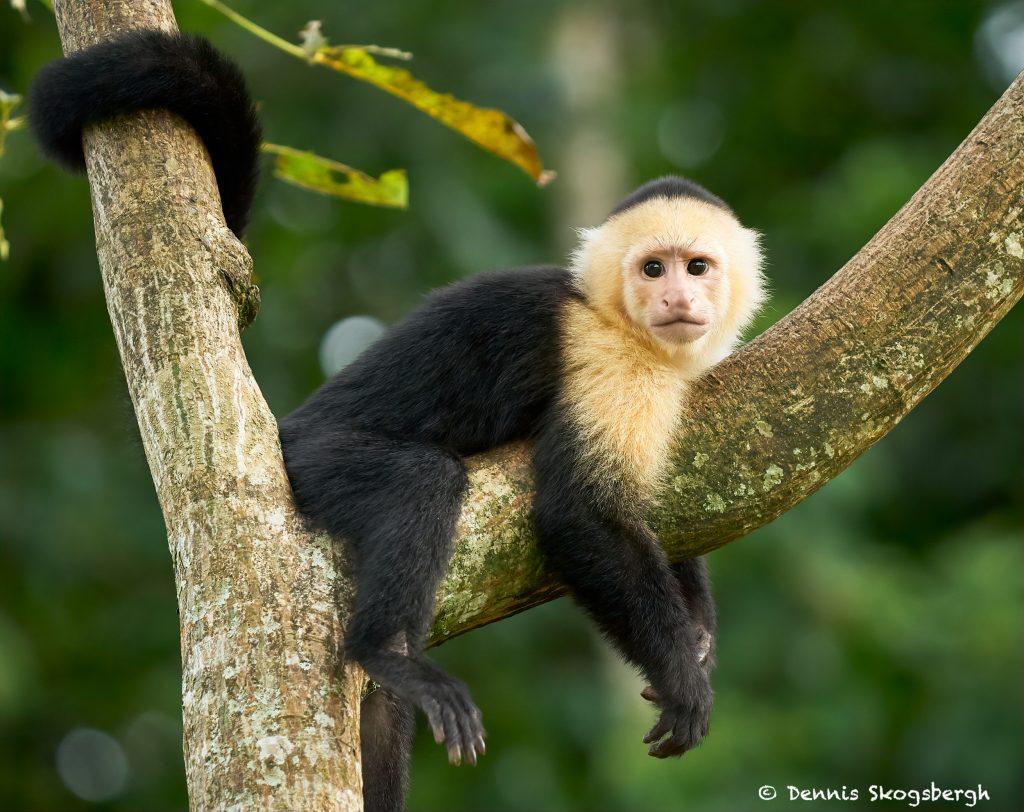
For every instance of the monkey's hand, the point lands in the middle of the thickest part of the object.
(705, 656)
(683, 723)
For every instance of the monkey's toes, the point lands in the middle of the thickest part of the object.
(455, 722)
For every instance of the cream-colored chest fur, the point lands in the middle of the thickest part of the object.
(623, 397)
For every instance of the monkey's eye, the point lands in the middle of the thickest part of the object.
(653, 269)
(697, 267)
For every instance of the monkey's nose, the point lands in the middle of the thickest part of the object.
(681, 303)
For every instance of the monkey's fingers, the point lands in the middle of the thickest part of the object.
(666, 749)
(466, 735)
(661, 727)
(432, 709)
(685, 725)
(452, 735)
(687, 734)
(473, 733)
(455, 722)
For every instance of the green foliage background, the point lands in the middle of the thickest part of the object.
(873, 635)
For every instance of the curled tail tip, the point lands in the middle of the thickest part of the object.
(151, 69)
(61, 97)
(51, 119)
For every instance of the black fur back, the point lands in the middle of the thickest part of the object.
(474, 367)
(154, 69)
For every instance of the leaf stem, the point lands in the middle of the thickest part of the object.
(259, 31)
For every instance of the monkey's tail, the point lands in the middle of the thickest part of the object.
(154, 69)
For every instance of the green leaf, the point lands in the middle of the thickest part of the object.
(329, 177)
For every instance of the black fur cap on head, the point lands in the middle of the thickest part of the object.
(669, 186)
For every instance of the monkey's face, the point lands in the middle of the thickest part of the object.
(675, 292)
(684, 272)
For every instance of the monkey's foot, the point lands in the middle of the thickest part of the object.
(454, 720)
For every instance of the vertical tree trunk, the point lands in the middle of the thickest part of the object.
(271, 720)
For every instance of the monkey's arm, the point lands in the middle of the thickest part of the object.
(618, 573)
(692, 576)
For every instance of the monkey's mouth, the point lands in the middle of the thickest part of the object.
(682, 320)
(683, 329)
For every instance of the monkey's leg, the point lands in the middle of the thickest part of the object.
(386, 730)
(396, 502)
(403, 501)
(625, 584)
(385, 637)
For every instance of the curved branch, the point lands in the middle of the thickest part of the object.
(779, 419)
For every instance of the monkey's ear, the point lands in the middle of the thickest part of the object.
(580, 258)
(748, 287)
(596, 268)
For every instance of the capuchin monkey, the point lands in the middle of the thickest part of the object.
(591, 363)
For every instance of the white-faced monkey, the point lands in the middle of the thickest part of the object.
(590, 363)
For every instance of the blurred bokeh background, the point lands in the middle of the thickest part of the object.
(873, 635)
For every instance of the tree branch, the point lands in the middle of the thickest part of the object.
(271, 719)
(779, 419)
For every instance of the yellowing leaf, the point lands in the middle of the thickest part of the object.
(332, 178)
(491, 129)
